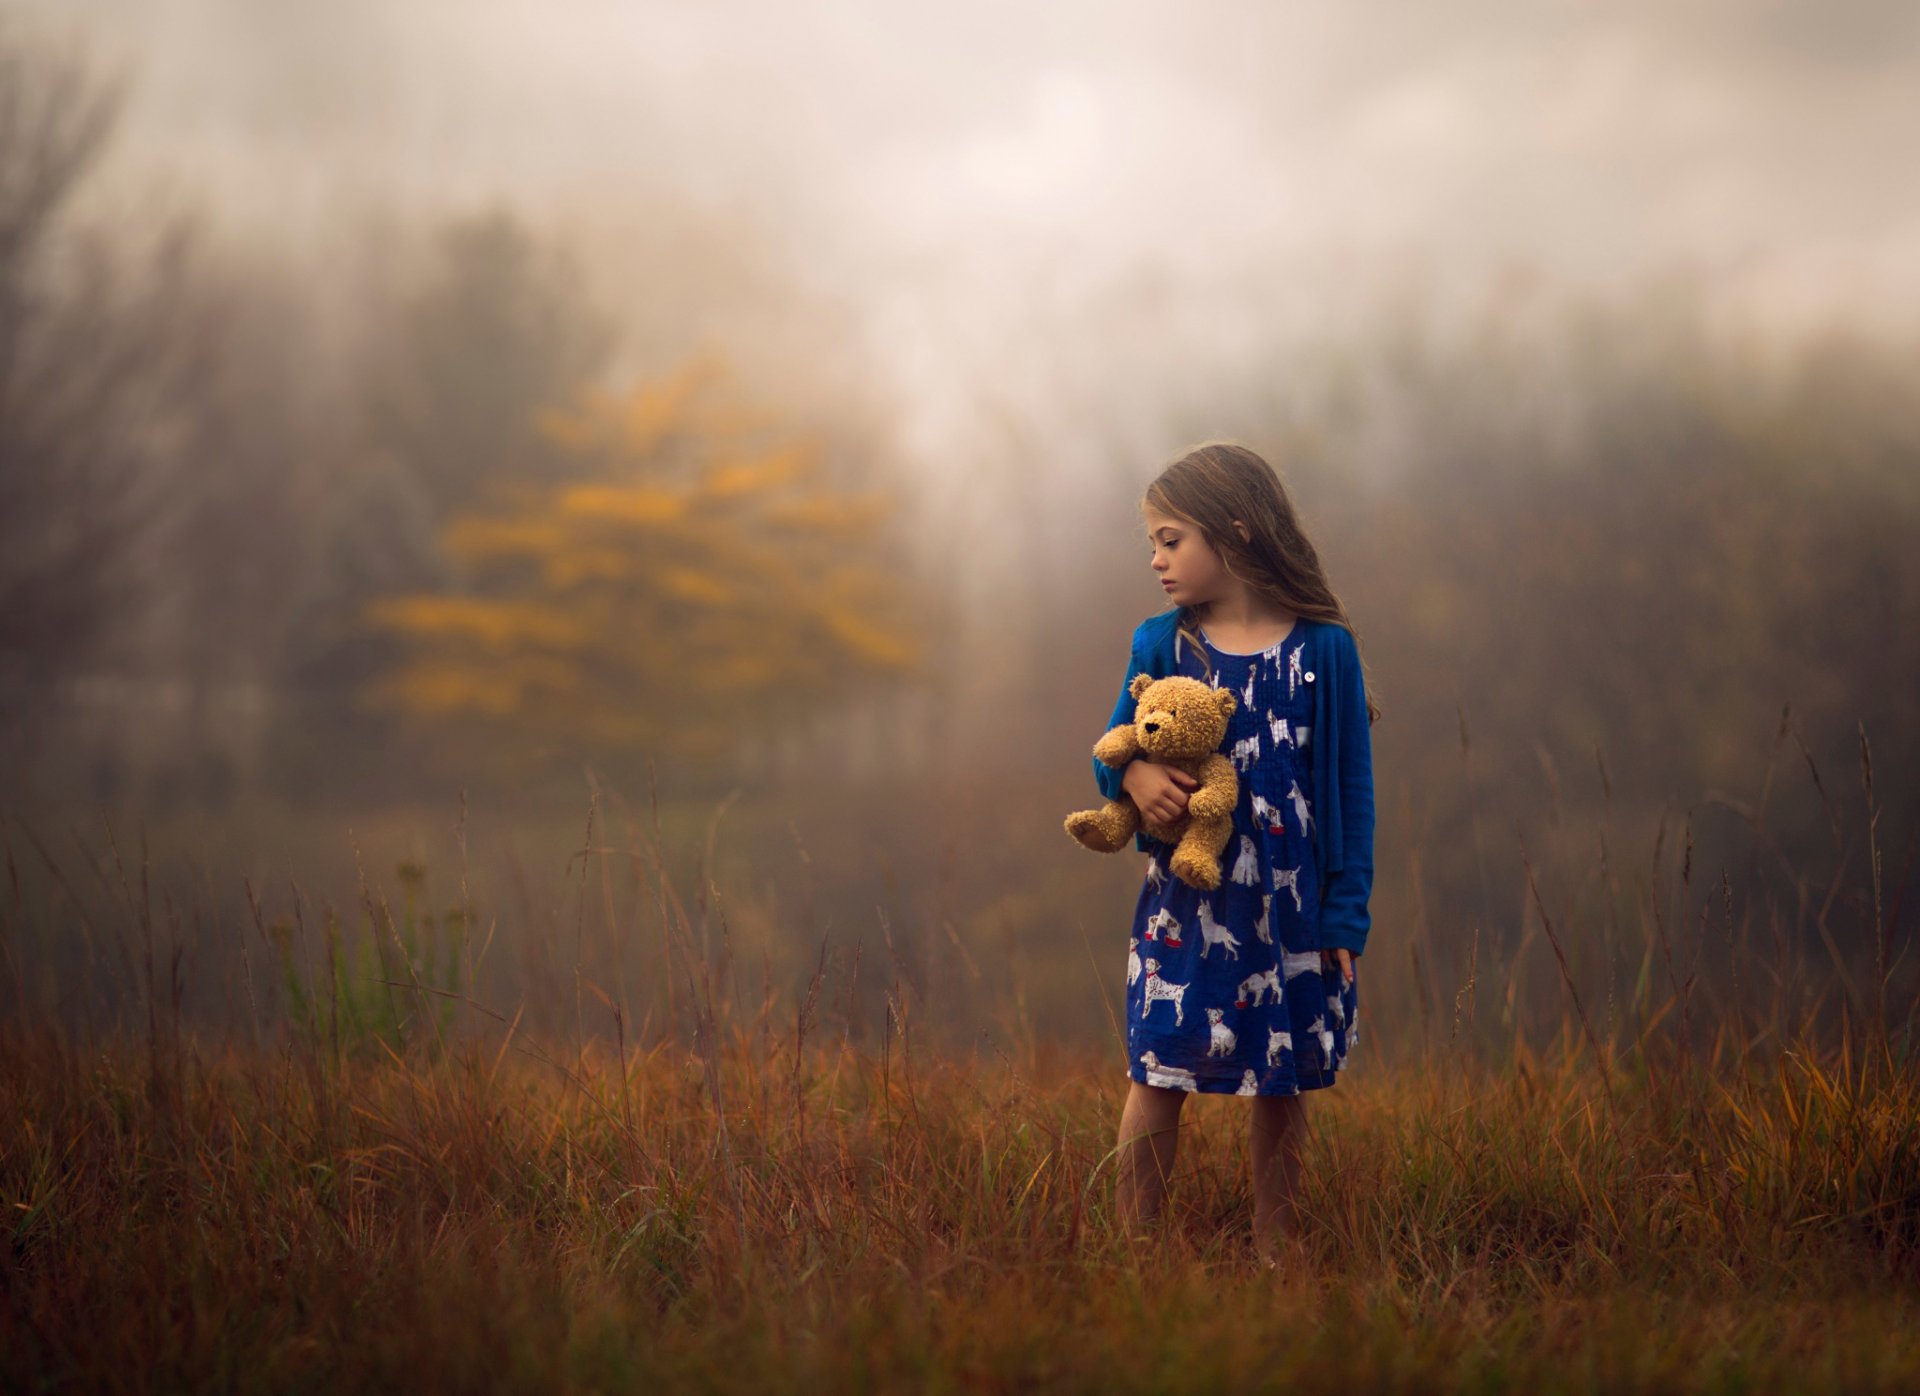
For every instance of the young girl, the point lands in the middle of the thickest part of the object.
(1251, 989)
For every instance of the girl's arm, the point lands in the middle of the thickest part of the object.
(1344, 917)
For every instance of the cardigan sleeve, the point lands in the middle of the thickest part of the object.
(1344, 917)
(1144, 658)
(1106, 776)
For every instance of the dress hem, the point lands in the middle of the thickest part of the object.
(1227, 1086)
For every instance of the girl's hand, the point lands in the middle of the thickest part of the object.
(1342, 957)
(1159, 791)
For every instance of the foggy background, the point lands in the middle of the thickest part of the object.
(1583, 336)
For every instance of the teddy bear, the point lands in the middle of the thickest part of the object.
(1179, 722)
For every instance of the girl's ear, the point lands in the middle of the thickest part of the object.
(1141, 683)
(1228, 703)
(1246, 534)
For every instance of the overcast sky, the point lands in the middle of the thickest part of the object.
(1580, 134)
(963, 181)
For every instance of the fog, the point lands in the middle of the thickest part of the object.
(1582, 334)
(972, 186)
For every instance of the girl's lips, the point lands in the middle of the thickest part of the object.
(1168, 585)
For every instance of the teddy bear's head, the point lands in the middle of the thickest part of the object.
(1180, 718)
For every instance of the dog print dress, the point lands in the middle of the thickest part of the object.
(1226, 991)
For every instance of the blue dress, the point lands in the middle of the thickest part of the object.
(1226, 990)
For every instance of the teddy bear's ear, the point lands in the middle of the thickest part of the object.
(1141, 683)
(1228, 703)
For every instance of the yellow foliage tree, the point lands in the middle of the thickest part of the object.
(683, 583)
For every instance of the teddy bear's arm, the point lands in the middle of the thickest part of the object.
(1219, 789)
(1119, 746)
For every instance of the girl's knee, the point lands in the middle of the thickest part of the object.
(1279, 1112)
(1163, 1101)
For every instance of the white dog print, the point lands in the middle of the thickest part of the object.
(1163, 925)
(1246, 751)
(1278, 1040)
(1176, 1077)
(1156, 875)
(1296, 963)
(1133, 960)
(1320, 1029)
(1212, 933)
(1246, 868)
(1293, 668)
(1247, 1086)
(1300, 810)
(1289, 878)
(1264, 927)
(1268, 814)
(1267, 982)
(1277, 729)
(1158, 989)
(1222, 1035)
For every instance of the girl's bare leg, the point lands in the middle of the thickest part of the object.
(1278, 1131)
(1149, 1134)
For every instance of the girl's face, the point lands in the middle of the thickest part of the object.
(1190, 570)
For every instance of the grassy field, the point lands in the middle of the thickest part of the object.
(1703, 1175)
(772, 1209)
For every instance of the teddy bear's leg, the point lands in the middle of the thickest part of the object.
(1196, 861)
(1107, 829)
(1214, 834)
(1190, 860)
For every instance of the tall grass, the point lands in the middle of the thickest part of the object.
(1705, 1176)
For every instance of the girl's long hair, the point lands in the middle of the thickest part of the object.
(1217, 482)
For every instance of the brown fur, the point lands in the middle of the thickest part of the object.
(1179, 722)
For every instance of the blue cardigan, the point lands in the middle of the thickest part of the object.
(1342, 751)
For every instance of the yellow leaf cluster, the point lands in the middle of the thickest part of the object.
(728, 480)
(625, 504)
(868, 640)
(648, 600)
(694, 585)
(493, 624)
(636, 424)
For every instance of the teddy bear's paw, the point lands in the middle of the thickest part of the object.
(1090, 830)
(1195, 869)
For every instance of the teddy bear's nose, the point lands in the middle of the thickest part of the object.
(1151, 726)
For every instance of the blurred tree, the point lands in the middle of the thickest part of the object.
(496, 330)
(501, 329)
(95, 383)
(687, 585)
